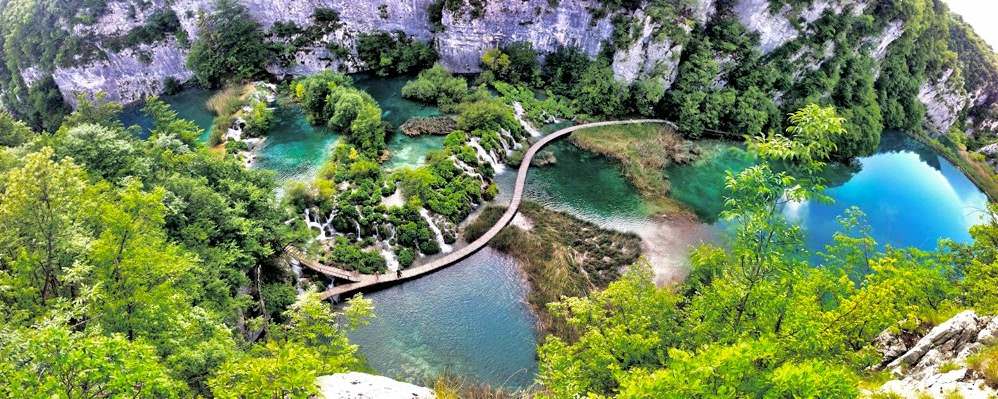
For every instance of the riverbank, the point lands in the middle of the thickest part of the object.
(643, 151)
(560, 255)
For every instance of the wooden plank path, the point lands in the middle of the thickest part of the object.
(361, 281)
(314, 265)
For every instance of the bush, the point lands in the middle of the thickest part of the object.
(985, 362)
(515, 63)
(435, 86)
(599, 93)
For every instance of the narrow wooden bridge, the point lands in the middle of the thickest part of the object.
(359, 281)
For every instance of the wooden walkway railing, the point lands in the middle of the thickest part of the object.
(361, 281)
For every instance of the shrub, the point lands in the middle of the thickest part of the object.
(435, 86)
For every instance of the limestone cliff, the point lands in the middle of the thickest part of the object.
(936, 363)
(365, 386)
(460, 37)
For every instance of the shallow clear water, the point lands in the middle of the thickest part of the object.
(588, 186)
(189, 104)
(406, 151)
(469, 319)
(294, 148)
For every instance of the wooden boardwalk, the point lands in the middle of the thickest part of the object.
(361, 281)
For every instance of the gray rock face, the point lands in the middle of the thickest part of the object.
(648, 56)
(125, 76)
(943, 102)
(365, 386)
(464, 39)
(936, 363)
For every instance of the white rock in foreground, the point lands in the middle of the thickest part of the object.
(366, 386)
(935, 365)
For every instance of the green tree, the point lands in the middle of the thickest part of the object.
(230, 46)
(54, 362)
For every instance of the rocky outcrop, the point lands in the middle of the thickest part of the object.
(943, 99)
(126, 76)
(648, 56)
(365, 386)
(570, 23)
(935, 364)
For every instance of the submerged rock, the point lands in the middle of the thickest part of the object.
(936, 364)
(434, 125)
(366, 386)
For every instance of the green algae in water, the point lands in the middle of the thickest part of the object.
(701, 185)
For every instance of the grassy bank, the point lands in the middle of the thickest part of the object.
(561, 255)
(643, 152)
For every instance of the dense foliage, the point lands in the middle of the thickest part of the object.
(759, 316)
(230, 46)
(329, 98)
(393, 53)
(138, 267)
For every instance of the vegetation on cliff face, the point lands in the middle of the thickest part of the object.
(230, 46)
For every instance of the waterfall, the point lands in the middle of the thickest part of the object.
(519, 112)
(468, 170)
(296, 270)
(313, 224)
(503, 133)
(357, 224)
(436, 231)
(485, 156)
(390, 260)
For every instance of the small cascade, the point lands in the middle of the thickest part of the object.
(390, 260)
(296, 270)
(507, 146)
(468, 170)
(497, 167)
(519, 112)
(357, 225)
(312, 224)
(436, 231)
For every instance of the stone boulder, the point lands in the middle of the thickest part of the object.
(366, 386)
(936, 364)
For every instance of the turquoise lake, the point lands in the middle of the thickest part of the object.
(911, 196)
(471, 319)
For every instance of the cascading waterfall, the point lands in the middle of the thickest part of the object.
(497, 167)
(436, 231)
(296, 270)
(391, 261)
(519, 112)
(357, 225)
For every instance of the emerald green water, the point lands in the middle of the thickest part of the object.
(406, 151)
(294, 148)
(189, 104)
(587, 186)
